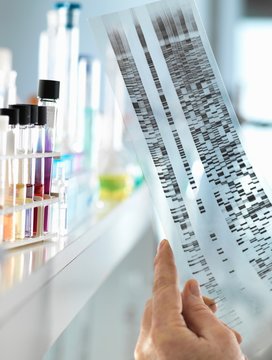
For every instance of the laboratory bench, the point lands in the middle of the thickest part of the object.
(48, 291)
(45, 286)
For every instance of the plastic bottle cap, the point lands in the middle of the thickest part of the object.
(4, 123)
(24, 113)
(68, 14)
(68, 5)
(33, 114)
(48, 89)
(13, 115)
(42, 115)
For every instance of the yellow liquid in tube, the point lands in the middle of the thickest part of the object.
(20, 215)
(9, 219)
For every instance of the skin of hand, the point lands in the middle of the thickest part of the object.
(182, 326)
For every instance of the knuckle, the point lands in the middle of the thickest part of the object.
(161, 285)
(227, 336)
(155, 337)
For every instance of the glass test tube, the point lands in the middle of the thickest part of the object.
(48, 94)
(59, 185)
(11, 173)
(39, 171)
(4, 122)
(22, 146)
(32, 145)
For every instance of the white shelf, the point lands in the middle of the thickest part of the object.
(28, 241)
(43, 287)
(32, 156)
(30, 205)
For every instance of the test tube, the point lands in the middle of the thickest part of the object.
(11, 172)
(22, 146)
(32, 145)
(39, 170)
(59, 185)
(4, 122)
(48, 94)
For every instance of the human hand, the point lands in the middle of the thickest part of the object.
(182, 326)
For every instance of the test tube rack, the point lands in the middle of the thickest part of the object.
(30, 204)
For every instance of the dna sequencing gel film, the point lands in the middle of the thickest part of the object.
(213, 207)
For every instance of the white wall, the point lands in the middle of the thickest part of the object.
(21, 22)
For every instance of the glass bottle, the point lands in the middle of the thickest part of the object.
(68, 15)
(115, 178)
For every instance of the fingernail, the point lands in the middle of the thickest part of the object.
(194, 288)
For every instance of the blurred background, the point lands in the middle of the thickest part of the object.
(240, 32)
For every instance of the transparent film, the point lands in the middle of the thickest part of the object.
(214, 209)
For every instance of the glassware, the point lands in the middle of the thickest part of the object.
(22, 148)
(4, 122)
(11, 173)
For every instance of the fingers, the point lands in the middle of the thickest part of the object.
(167, 304)
(197, 315)
(237, 335)
(210, 303)
(213, 307)
(147, 317)
(144, 347)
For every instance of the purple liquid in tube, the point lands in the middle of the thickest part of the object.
(48, 94)
(47, 175)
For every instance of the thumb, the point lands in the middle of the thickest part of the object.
(197, 314)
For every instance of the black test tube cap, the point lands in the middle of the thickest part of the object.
(24, 113)
(13, 115)
(33, 114)
(49, 89)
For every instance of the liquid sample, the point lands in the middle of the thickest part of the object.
(29, 212)
(48, 162)
(9, 219)
(38, 211)
(9, 227)
(1, 225)
(20, 215)
(115, 187)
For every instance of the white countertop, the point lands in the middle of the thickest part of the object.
(44, 286)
